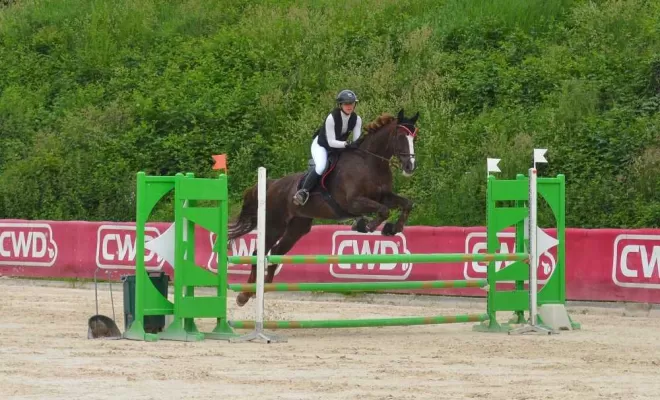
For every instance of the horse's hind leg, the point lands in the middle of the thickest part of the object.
(272, 235)
(296, 228)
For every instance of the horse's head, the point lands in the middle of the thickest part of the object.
(388, 136)
(403, 142)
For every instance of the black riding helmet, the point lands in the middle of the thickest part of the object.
(346, 96)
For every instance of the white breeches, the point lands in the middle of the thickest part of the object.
(320, 156)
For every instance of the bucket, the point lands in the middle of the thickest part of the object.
(100, 326)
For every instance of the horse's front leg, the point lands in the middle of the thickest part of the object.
(405, 205)
(364, 205)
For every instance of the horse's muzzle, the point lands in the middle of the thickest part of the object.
(409, 166)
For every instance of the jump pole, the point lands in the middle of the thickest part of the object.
(382, 258)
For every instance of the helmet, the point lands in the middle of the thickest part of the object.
(347, 96)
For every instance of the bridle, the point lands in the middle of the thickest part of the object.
(398, 154)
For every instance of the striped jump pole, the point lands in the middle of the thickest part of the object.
(358, 286)
(362, 323)
(381, 258)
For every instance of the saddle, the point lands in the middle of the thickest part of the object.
(332, 163)
(333, 158)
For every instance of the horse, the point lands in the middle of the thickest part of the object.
(357, 182)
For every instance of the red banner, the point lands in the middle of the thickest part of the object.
(601, 264)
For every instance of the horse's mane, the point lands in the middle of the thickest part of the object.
(379, 122)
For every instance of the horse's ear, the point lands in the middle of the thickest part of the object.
(414, 119)
(399, 116)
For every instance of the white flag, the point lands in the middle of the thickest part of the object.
(539, 156)
(492, 164)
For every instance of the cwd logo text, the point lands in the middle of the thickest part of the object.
(245, 245)
(475, 243)
(115, 248)
(349, 242)
(637, 261)
(27, 245)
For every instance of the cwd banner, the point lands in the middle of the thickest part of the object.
(601, 264)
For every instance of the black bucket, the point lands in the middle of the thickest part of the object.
(100, 326)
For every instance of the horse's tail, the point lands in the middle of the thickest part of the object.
(247, 219)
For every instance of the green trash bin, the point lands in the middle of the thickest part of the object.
(152, 323)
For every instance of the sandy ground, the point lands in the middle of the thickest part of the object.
(45, 354)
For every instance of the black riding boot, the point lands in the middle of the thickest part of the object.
(302, 195)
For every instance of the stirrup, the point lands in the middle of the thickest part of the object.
(301, 197)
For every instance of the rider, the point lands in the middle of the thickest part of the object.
(331, 136)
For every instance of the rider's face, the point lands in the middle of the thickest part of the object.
(348, 107)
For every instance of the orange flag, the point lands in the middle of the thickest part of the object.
(220, 162)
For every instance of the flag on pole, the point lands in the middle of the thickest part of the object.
(539, 156)
(492, 164)
(220, 162)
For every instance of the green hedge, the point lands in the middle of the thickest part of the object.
(93, 91)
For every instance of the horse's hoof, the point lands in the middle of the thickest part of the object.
(242, 299)
(389, 229)
(360, 225)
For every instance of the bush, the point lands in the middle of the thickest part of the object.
(92, 92)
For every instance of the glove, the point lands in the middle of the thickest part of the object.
(351, 145)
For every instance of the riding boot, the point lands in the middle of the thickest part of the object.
(302, 195)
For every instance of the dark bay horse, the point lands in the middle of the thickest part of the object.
(358, 183)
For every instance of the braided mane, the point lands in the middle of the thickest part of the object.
(380, 121)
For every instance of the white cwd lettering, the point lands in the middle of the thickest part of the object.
(384, 246)
(649, 263)
(106, 253)
(126, 249)
(3, 237)
(242, 249)
(340, 250)
(39, 238)
(380, 247)
(23, 244)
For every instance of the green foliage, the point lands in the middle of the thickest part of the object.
(93, 91)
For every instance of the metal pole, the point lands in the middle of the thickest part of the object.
(533, 254)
